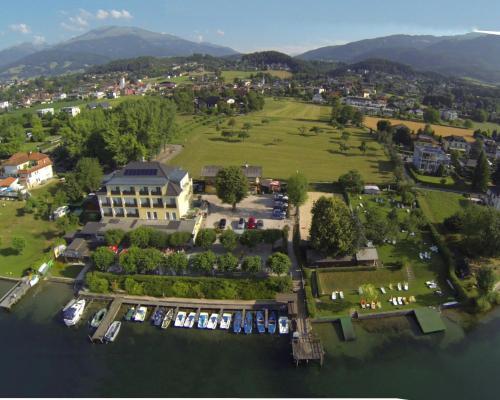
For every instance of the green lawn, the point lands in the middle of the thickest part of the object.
(279, 147)
(65, 270)
(230, 75)
(37, 233)
(438, 206)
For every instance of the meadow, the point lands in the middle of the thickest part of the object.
(230, 75)
(281, 141)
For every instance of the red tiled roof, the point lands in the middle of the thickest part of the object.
(21, 158)
(7, 181)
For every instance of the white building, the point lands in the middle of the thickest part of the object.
(73, 111)
(61, 96)
(44, 111)
(31, 168)
(493, 197)
(4, 105)
(99, 95)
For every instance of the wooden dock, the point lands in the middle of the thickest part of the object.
(107, 321)
(307, 348)
(15, 294)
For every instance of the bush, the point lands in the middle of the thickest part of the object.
(483, 304)
(228, 239)
(252, 264)
(97, 284)
(251, 238)
(206, 238)
(132, 287)
(103, 258)
(114, 237)
(204, 261)
(178, 239)
(279, 263)
(227, 262)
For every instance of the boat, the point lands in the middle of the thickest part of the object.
(158, 315)
(284, 326)
(189, 322)
(140, 314)
(167, 319)
(341, 294)
(261, 325)
(180, 319)
(130, 313)
(112, 331)
(271, 323)
(400, 301)
(212, 322)
(98, 317)
(450, 304)
(203, 320)
(225, 321)
(73, 313)
(247, 327)
(237, 322)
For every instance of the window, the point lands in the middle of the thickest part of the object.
(149, 215)
(174, 216)
(155, 215)
(167, 215)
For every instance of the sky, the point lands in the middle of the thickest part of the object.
(291, 26)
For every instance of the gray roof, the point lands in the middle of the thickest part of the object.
(367, 254)
(160, 174)
(250, 171)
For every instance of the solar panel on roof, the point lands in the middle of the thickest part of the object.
(140, 172)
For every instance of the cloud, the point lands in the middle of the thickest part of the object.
(78, 22)
(488, 32)
(220, 32)
(123, 14)
(199, 38)
(21, 28)
(102, 14)
(39, 39)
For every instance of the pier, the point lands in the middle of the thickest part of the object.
(15, 293)
(107, 321)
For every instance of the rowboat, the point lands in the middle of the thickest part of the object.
(98, 317)
(167, 319)
(112, 331)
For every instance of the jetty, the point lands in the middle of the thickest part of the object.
(110, 316)
(15, 293)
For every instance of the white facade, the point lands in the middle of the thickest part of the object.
(73, 111)
(32, 169)
(45, 111)
(4, 105)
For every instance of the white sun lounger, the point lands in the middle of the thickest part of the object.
(399, 286)
(405, 286)
(382, 289)
(334, 295)
(341, 294)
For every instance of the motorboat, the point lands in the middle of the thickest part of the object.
(247, 327)
(212, 321)
(189, 322)
(180, 319)
(225, 321)
(157, 318)
(405, 286)
(237, 322)
(399, 286)
(112, 331)
(98, 317)
(284, 325)
(271, 323)
(140, 314)
(203, 320)
(167, 319)
(261, 325)
(130, 314)
(73, 313)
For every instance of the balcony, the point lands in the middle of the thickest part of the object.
(146, 204)
(107, 214)
(119, 212)
(117, 203)
(130, 192)
(131, 203)
(158, 204)
(115, 191)
(156, 192)
(144, 192)
(132, 213)
(105, 203)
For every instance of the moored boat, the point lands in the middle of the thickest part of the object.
(247, 327)
(271, 323)
(73, 313)
(212, 321)
(261, 325)
(167, 319)
(203, 320)
(180, 319)
(98, 317)
(237, 322)
(112, 331)
(189, 322)
(284, 327)
(140, 314)
(130, 314)
(225, 321)
(158, 316)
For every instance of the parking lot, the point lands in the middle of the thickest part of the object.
(257, 206)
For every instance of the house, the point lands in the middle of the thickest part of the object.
(492, 149)
(318, 99)
(367, 256)
(428, 158)
(78, 250)
(146, 191)
(455, 143)
(45, 111)
(449, 115)
(4, 105)
(61, 96)
(60, 212)
(31, 168)
(252, 173)
(492, 197)
(104, 105)
(73, 111)
(10, 182)
(98, 95)
(371, 189)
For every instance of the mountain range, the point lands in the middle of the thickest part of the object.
(98, 46)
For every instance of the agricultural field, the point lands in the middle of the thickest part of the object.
(281, 141)
(230, 75)
(371, 122)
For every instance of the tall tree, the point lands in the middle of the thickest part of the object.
(481, 176)
(89, 174)
(297, 189)
(231, 185)
(352, 181)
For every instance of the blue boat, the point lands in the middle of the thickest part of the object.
(271, 323)
(261, 325)
(237, 322)
(158, 316)
(248, 323)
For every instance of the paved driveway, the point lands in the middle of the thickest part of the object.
(258, 206)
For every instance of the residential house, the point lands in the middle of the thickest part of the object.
(428, 158)
(31, 168)
(4, 105)
(45, 111)
(371, 189)
(456, 143)
(492, 149)
(252, 173)
(60, 97)
(73, 111)
(318, 98)
(492, 197)
(449, 115)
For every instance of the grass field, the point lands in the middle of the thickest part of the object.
(230, 75)
(438, 206)
(278, 145)
(371, 122)
(37, 233)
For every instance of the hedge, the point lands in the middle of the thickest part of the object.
(310, 302)
(191, 287)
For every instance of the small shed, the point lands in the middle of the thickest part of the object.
(371, 189)
(77, 250)
(367, 256)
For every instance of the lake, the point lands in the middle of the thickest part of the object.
(390, 358)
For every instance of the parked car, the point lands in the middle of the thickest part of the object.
(251, 224)
(278, 196)
(260, 224)
(279, 214)
(222, 223)
(241, 224)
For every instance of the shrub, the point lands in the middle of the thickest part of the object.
(227, 262)
(206, 238)
(96, 284)
(18, 244)
(103, 258)
(482, 304)
(132, 287)
(114, 237)
(279, 263)
(252, 264)
(229, 239)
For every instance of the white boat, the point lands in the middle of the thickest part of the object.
(180, 319)
(212, 321)
(284, 325)
(382, 289)
(34, 280)
(167, 319)
(405, 286)
(202, 320)
(334, 295)
(341, 294)
(189, 322)
(73, 312)
(225, 321)
(112, 331)
(399, 286)
(140, 314)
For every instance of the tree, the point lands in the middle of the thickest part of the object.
(206, 238)
(177, 261)
(357, 118)
(481, 231)
(363, 147)
(140, 237)
(89, 174)
(479, 115)
(333, 230)
(343, 147)
(252, 264)
(158, 239)
(231, 185)
(352, 181)
(376, 227)
(441, 171)
(279, 263)
(384, 125)
(345, 136)
(72, 187)
(485, 278)
(402, 135)
(247, 126)
(369, 292)
(496, 175)
(231, 122)
(481, 175)
(149, 260)
(96, 284)
(297, 186)
(178, 239)
(228, 239)
(204, 261)
(251, 238)
(103, 258)
(129, 259)
(18, 243)
(243, 135)
(431, 115)
(227, 262)
(114, 237)
(468, 124)
(270, 236)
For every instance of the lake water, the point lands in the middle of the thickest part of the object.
(41, 357)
